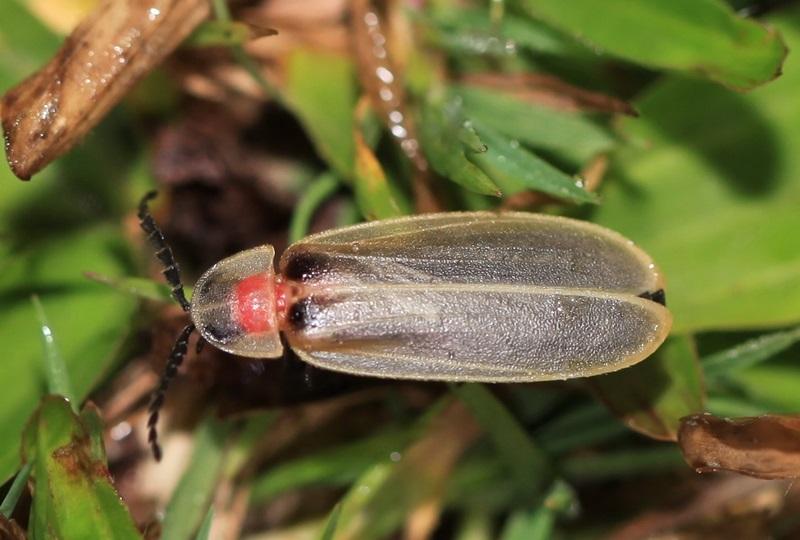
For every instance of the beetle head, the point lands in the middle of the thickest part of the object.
(234, 305)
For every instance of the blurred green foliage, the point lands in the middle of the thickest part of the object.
(706, 179)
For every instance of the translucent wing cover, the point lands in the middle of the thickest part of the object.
(215, 305)
(475, 296)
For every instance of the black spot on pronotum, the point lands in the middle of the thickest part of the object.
(656, 296)
(303, 313)
(306, 265)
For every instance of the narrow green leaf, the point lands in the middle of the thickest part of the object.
(475, 526)
(223, 15)
(73, 494)
(218, 33)
(325, 110)
(712, 194)
(528, 465)
(704, 37)
(55, 369)
(441, 137)
(471, 31)
(17, 487)
(205, 527)
(221, 33)
(652, 396)
(516, 169)
(615, 465)
(770, 386)
(321, 189)
(539, 524)
(581, 427)
(336, 466)
(330, 526)
(374, 193)
(190, 500)
(383, 496)
(88, 321)
(750, 352)
(142, 288)
(571, 136)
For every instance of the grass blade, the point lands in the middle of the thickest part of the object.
(196, 487)
(14, 492)
(56, 373)
(750, 352)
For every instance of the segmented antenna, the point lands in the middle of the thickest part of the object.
(163, 252)
(172, 274)
(157, 401)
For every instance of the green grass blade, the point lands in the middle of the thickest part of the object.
(141, 288)
(55, 371)
(749, 353)
(189, 502)
(320, 190)
(330, 525)
(529, 466)
(16, 489)
(205, 527)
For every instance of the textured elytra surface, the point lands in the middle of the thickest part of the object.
(489, 333)
(474, 296)
(478, 248)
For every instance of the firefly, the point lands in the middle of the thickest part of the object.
(459, 296)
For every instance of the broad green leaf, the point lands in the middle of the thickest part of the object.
(652, 396)
(189, 502)
(88, 320)
(712, 193)
(528, 466)
(516, 169)
(704, 37)
(750, 352)
(443, 141)
(568, 135)
(321, 90)
(73, 494)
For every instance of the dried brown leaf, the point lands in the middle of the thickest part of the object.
(765, 446)
(114, 47)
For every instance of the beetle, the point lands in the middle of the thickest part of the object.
(457, 296)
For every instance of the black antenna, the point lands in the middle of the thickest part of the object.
(172, 274)
(171, 271)
(175, 360)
